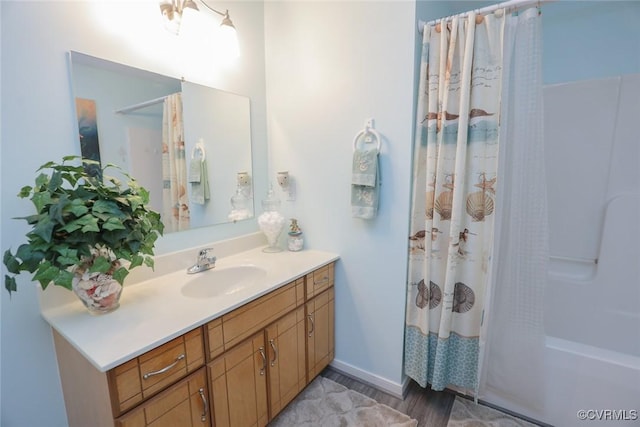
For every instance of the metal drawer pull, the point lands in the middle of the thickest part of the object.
(205, 405)
(322, 281)
(313, 326)
(264, 360)
(163, 370)
(275, 353)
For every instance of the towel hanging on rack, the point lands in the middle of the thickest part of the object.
(365, 178)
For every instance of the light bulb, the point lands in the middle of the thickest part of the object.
(228, 46)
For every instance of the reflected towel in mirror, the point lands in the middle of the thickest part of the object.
(199, 180)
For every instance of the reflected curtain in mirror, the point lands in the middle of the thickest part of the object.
(88, 134)
(175, 213)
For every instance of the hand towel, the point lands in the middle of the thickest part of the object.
(195, 170)
(365, 167)
(199, 179)
(365, 181)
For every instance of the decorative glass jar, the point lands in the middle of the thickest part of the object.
(239, 206)
(271, 221)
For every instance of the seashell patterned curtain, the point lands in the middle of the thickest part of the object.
(454, 188)
(175, 212)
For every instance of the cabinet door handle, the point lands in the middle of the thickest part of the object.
(163, 370)
(313, 326)
(321, 281)
(275, 352)
(264, 360)
(205, 405)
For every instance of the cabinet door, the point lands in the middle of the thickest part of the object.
(183, 404)
(286, 358)
(238, 382)
(320, 333)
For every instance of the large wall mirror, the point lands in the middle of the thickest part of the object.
(122, 117)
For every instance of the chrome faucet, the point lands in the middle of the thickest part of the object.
(204, 262)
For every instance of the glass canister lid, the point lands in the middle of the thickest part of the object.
(271, 203)
(239, 200)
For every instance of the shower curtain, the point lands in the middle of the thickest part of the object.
(175, 213)
(475, 292)
(513, 357)
(455, 173)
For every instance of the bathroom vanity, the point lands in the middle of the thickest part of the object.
(235, 352)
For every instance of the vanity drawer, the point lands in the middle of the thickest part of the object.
(319, 280)
(183, 404)
(151, 372)
(250, 318)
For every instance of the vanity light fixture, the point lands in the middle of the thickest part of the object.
(173, 12)
(287, 183)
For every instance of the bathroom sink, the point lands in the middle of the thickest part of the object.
(222, 281)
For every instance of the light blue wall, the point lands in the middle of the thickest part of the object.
(582, 40)
(38, 125)
(329, 68)
(590, 39)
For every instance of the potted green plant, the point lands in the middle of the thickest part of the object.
(88, 231)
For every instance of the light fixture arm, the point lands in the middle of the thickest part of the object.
(169, 9)
(225, 15)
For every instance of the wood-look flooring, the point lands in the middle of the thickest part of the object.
(430, 408)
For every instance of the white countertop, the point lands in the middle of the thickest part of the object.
(154, 311)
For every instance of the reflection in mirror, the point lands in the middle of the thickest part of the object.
(131, 106)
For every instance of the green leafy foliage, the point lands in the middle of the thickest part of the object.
(77, 213)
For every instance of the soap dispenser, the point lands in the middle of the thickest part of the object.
(295, 241)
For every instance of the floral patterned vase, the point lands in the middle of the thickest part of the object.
(99, 292)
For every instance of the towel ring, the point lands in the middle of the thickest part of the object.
(198, 147)
(366, 131)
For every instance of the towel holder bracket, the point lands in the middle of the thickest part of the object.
(198, 151)
(369, 133)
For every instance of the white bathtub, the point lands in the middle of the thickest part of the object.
(587, 378)
(578, 377)
(592, 347)
(592, 322)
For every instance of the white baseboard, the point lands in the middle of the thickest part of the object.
(373, 380)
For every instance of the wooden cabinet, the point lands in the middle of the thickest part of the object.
(258, 314)
(320, 333)
(183, 404)
(271, 361)
(319, 281)
(286, 353)
(144, 376)
(239, 385)
(239, 370)
(97, 398)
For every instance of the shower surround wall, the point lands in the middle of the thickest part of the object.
(592, 310)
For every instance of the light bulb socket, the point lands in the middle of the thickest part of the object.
(190, 4)
(227, 21)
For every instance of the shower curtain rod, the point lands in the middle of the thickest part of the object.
(510, 6)
(144, 104)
